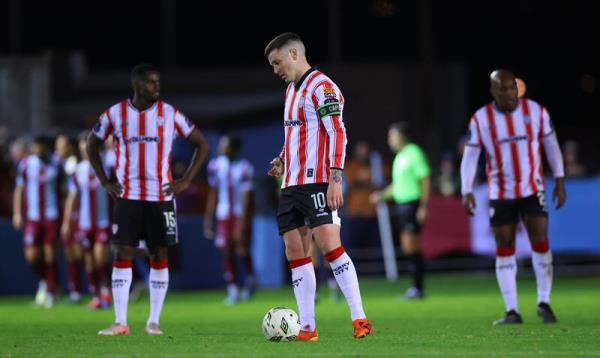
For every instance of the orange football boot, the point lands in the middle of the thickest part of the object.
(308, 336)
(362, 327)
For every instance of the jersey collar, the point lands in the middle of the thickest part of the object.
(298, 84)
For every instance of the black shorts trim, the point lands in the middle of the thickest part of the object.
(155, 222)
(510, 211)
(304, 205)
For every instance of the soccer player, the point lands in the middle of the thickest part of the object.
(512, 132)
(230, 200)
(37, 184)
(92, 229)
(410, 189)
(143, 128)
(311, 163)
(66, 160)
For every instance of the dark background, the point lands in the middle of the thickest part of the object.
(553, 46)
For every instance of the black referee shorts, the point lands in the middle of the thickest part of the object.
(152, 221)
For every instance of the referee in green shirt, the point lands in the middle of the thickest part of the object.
(410, 189)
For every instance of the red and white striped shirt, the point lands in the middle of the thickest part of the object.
(315, 135)
(231, 179)
(40, 182)
(143, 143)
(513, 150)
(93, 200)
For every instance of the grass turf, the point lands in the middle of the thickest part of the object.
(453, 321)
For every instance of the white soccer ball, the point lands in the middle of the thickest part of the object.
(281, 324)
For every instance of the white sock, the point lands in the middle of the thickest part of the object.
(345, 275)
(305, 286)
(159, 284)
(121, 281)
(506, 273)
(542, 266)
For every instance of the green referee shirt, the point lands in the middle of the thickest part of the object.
(409, 167)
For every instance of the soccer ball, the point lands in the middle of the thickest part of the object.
(281, 324)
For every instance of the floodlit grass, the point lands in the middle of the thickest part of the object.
(453, 321)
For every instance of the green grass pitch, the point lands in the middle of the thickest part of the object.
(453, 321)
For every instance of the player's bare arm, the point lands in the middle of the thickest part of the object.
(198, 140)
(335, 199)
(17, 207)
(276, 167)
(209, 213)
(65, 228)
(559, 194)
(93, 148)
(425, 194)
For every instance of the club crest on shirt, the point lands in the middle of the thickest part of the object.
(301, 102)
(527, 119)
(329, 92)
(161, 121)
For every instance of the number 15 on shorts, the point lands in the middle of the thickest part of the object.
(170, 221)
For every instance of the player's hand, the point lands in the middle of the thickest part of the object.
(375, 197)
(276, 168)
(335, 198)
(209, 232)
(113, 188)
(559, 194)
(422, 214)
(176, 187)
(17, 221)
(469, 204)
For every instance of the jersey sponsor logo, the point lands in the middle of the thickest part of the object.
(332, 109)
(140, 139)
(512, 139)
(292, 123)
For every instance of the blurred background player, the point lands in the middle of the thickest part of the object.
(410, 189)
(312, 185)
(512, 131)
(36, 195)
(65, 158)
(92, 230)
(144, 129)
(230, 201)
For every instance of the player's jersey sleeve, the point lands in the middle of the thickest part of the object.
(71, 185)
(20, 180)
(329, 106)
(421, 166)
(104, 127)
(212, 173)
(246, 178)
(183, 125)
(546, 128)
(474, 136)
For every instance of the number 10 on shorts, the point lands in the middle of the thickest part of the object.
(319, 200)
(169, 219)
